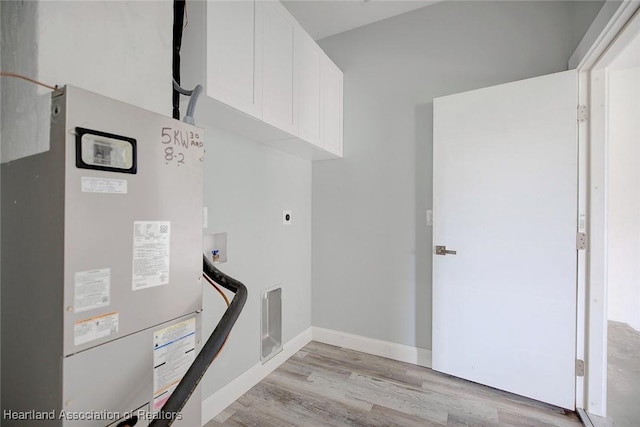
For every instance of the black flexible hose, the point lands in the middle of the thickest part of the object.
(196, 371)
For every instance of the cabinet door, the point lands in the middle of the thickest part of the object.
(277, 66)
(332, 84)
(233, 58)
(308, 57)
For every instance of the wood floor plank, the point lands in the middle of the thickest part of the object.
(310, 408)
(365, 363)
(398, 418)
(363, 388)
(516, 419)
(323, 385)
(327, 386)
(502, 401)
(403, 399)
(623, 372)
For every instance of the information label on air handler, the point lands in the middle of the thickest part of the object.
(150, 253)
(174, 350)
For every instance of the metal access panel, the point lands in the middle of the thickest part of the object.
(116, 381)
(101, 264)
(133, 219)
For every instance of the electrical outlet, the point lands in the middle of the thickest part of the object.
(286, 217)
(429, 217)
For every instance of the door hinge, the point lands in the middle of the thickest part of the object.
(583, 113)
(579, 368)
(581, 241)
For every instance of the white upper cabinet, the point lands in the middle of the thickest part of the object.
(264, 77)
(331, 101)
(232, 60)
(307, 65)
(278, 28)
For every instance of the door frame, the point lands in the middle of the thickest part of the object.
(616, 26)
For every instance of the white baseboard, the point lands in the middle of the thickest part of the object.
(218, 401)
(390, 350)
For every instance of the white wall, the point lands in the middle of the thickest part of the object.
(247, 185)
(623, 224)
(371, 245)
(118, 49)
(595, 25)
(25, 107)
(583, 14)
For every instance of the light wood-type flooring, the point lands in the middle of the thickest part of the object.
(323, 385)
(623, 386)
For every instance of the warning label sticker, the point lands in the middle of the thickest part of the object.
(150, 253)
(95, 328)
(103, 185)
(92, 289)
(174, 350)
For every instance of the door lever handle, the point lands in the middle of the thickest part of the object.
(442, 250)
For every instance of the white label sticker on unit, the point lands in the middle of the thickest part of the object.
(103, 185)
(174, 350)
(150, 253)
(95, 328)
(92, 289)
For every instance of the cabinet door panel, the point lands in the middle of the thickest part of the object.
(277, 66)
(231, 55)
(332, 83)
(307, 70)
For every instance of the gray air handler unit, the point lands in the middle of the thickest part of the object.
(101, 267)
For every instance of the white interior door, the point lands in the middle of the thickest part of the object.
(505, 198)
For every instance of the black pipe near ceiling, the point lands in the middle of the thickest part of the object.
(178, 26)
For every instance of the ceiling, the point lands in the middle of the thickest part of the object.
(324, 18)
